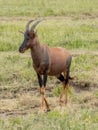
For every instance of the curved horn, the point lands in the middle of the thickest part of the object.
(27, 25)
(35, 24)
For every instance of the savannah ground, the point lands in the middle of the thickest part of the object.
(70, 24)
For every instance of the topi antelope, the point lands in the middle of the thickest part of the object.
(47, 61)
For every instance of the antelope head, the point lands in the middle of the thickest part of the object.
(29, 36)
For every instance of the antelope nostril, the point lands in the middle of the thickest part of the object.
(21, 49)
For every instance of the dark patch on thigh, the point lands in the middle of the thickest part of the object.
(61, 77)
(68, 62)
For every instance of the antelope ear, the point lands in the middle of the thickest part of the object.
(21, 31)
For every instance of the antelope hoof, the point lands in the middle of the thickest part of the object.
(41, 110)
(48, 110)
(61, 102)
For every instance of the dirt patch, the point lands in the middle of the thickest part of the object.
(84, 86)
(80, 16)
(23, 101)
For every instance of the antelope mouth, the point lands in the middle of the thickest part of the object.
(22, 50)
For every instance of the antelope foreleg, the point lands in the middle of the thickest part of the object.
(42, 83)
(42, 91)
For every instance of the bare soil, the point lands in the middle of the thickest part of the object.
(25, 101)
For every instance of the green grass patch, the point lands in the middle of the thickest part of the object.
(82, 120)
(76, 32)
(85, 67)
(47, 8)
(58, 89)
(72, 34)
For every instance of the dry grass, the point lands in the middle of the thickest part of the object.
(19, 97)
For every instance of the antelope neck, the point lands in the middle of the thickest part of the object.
(36, 54)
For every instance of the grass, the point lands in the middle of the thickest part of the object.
(86, 67)
(72, 34)
(70, 24)
(54, 121)
(47, 8)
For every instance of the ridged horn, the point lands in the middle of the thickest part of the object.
(35, 24)
(27, 25)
